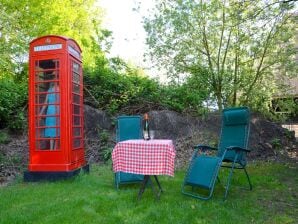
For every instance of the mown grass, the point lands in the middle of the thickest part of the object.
(92, 198)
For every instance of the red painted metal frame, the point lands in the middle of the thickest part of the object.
(65, 157)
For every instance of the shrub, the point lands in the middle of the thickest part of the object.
(276, 143)
(13, 100)
(4, 139)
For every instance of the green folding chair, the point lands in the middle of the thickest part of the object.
(231, 153)
(128, 127)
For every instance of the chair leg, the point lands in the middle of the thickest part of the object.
(250, 185)
(229, 180)
(116, 181)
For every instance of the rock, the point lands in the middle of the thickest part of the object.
(171, 125)
(95, 120)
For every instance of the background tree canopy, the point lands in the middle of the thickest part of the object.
(20, 23)
(226, 53)
(231, 49)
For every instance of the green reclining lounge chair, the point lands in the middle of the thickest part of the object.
(231, 153)
(128, 127)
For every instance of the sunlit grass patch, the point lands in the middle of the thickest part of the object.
(93, 198)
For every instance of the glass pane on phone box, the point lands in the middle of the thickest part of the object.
(43, 144)
(50, 110)
(51, 132)
(52, 121)
(76, 88)
(57, 75)
(55, 97)
(57, 144)
(39, 132)
(57, 132)
(50, 75)
(40, 98)
(76, 143)
(77, 132)
(76, 78)
(57, 109)
(38, 121)
(38, 110)
(58, 121)
(76, 109)
(41, 87)
(76, 98)
(39, 76)
(76, 67)
(76, 120)
(48, 64)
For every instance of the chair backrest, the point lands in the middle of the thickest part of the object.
(128, 127)
(234, 132)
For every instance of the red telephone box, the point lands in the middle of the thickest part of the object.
(56, 147)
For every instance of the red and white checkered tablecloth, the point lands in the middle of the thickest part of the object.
(153, 157)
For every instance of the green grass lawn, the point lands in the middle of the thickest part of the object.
(92, 198)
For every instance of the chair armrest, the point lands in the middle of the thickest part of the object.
(205, 147)
(237, 149)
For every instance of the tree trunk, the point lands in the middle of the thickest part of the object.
(219, 98)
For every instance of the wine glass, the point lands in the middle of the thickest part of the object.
(151, 133)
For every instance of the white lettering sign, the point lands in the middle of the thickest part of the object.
(48, 47)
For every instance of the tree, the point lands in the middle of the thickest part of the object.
(238, 44)
(22, 21)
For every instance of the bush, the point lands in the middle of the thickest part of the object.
(117, 86)
(13, 100)
(4, 138)
(120, 87)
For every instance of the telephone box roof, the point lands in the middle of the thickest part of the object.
(59, 37)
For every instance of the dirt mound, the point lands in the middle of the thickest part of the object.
(13, 155)
(268, 140)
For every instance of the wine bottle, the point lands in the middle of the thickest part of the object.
(146, 134)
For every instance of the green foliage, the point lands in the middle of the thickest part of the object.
(284, 108)
(17, 121)
(231, 49)
(118, 85)
(214, 142)
(289, 134)
(105, 145)
(22, 21)
(93, 198)
(107, 153)
(183, 98)
(4, 139)
(13, 100)
(276, 143)
(224, 53)
(104, 137)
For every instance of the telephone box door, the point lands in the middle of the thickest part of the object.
(47, 101)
